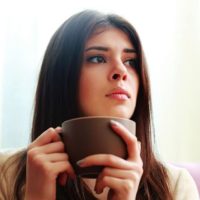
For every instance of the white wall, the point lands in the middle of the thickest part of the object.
(178, 127)
(170, 33)
(1, 85)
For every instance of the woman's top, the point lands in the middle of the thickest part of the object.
(181, 183)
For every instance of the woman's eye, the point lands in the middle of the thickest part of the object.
(96, 59)
(132, 62)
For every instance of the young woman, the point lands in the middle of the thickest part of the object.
(94, 65)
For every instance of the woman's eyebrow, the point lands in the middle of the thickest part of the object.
(100, 48)
(97, 48)
(127, 50)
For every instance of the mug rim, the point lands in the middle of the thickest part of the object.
(97, 117)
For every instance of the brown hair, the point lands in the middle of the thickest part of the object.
(56, 101)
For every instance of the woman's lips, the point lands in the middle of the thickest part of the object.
(119, 94)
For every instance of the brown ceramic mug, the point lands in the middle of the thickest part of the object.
(93, 135)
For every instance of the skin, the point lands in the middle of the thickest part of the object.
(106, 73)
(99, 67)
(46, 161)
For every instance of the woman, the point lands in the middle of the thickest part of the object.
(93, 65)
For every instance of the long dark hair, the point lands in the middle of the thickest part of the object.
(57, 100)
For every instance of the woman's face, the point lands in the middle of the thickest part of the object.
(109, 82)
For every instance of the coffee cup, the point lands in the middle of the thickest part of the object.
(93, 135)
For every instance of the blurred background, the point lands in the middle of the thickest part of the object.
(170, 34)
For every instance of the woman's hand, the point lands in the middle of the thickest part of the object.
(121, 176)
(46, 161)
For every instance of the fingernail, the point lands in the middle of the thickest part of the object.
(58, 127)
(80, 163)
(114, 123)
(99, 191)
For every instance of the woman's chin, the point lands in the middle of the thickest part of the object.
(120, 113)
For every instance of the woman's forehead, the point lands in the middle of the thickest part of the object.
(108, 34)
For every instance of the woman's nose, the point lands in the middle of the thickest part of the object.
(119, 72)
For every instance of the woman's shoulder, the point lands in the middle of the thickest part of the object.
(10, 157)
(5, 154)
(181, 183)
(9, 162)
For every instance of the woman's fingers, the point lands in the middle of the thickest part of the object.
(47, 162)
(133, 174)
(48, 148)
(121, 187)
(130, 140)
(107, 160)
(54, 157)
(52, 164)
(48, 136)
(63, 167)
(120, 175)
(47, 153)
(122, 182)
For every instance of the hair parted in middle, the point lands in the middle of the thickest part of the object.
(57, 99)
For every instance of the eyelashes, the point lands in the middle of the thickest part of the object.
(132, 62)
(98, 59)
